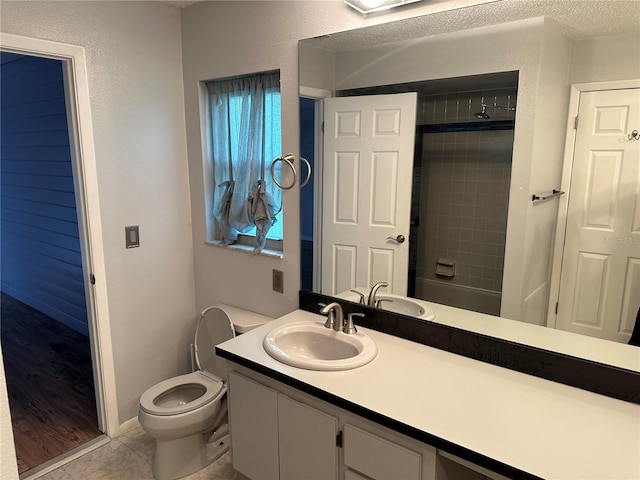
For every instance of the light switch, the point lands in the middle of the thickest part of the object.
(132, 236)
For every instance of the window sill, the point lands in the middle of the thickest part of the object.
(247, 249)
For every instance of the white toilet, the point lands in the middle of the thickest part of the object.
(187, 414)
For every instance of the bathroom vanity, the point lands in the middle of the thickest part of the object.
(417, 412)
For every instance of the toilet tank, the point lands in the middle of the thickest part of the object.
(243, 320)
(218, 324)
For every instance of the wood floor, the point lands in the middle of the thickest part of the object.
(50, 384)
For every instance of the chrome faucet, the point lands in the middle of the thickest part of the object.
(335, 316)
(349, 327)
(371, 300)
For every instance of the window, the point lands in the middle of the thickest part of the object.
(245, 139)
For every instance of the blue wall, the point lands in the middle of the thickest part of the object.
(307, 150)
(307, 144)
(40, 248)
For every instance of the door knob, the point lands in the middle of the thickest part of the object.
(398, 239)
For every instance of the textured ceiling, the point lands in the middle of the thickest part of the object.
(577, 18)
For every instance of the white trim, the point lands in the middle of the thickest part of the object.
(266, 252)
(318, 95)
(65, 458)
(318, 165)
(567, 171)
(311, 92)
(600, 86)
(77, 84)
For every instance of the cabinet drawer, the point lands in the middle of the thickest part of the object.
(379, 458)
(351, 475)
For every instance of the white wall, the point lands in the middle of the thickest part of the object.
(547, 154)
(134, 62)
(602, 59)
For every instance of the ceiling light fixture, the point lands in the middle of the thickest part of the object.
(370, 6)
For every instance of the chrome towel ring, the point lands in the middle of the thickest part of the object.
(306, 179)
(288, 159)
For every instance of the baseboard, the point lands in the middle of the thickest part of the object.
(128, 425)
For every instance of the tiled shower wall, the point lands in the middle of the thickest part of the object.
(464, 189)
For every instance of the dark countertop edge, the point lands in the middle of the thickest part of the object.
(422, 436)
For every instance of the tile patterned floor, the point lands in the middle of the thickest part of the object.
(129, 457)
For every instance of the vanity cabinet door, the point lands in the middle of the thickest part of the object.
(253, 420)
(307, 441)
(379, 458)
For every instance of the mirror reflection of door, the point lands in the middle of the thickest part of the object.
(600, 277)
(368, 169)
(459, 189)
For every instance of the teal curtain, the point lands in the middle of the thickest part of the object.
(246, 138)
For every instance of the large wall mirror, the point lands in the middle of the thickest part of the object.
(468, 200)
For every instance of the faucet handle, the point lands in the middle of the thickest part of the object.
(362, 302)
(350, 327)
(379, 301)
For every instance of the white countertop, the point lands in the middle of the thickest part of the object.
(540, 427)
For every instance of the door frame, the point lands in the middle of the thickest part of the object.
(565, 186)
(318, 95)
(85, 180)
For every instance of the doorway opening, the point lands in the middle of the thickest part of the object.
(46, 312)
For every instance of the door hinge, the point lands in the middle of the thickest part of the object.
(339, 439)
(575, 123)
(92, 278)
(322, 127)
(556, 308)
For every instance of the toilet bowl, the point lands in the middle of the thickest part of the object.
(187, 414)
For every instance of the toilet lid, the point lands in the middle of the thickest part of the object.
(214, 328)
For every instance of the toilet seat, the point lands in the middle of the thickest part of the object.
(214, 327)
(214, 389)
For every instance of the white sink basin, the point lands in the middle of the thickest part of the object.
(405, 306)
(397, 303)
(308, 344)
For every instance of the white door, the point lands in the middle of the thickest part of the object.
(600, 277)
(368, 167)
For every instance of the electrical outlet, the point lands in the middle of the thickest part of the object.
(278, 281)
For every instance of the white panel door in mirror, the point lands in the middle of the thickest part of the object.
(600, 268)
(368, 152)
